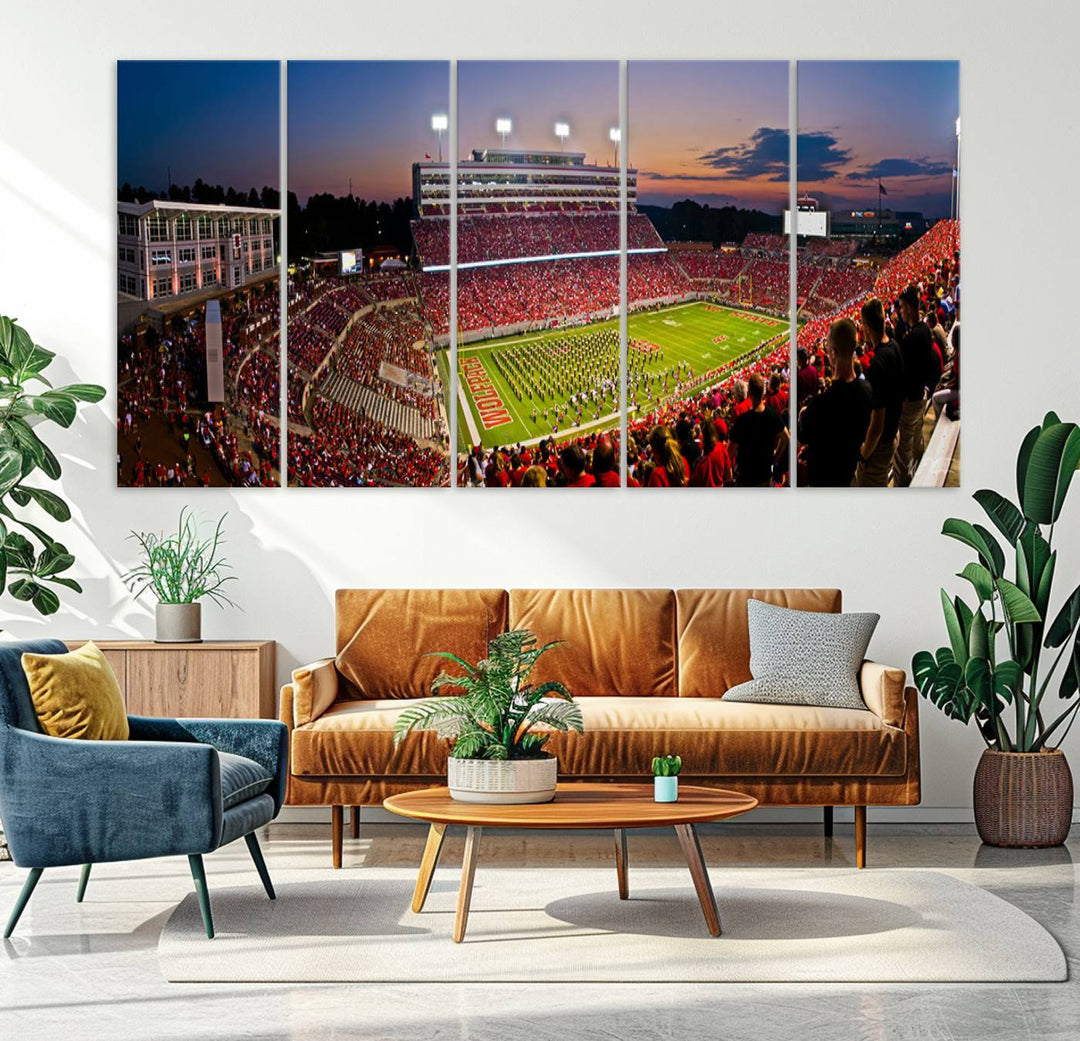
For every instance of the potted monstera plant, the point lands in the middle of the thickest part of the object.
(1012, 665)
(498, 724)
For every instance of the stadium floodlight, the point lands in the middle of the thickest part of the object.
(615, 136)
(503, 126)
(957, 126)
(439, 122)
(562, 132)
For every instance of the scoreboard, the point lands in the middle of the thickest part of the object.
(808, 222)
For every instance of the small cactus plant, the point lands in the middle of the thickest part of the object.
(666, 765)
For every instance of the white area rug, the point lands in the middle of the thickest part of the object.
(568, 924)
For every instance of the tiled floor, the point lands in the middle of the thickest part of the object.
(90, 971)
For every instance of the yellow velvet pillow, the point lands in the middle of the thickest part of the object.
(77, 695)
(315, 689)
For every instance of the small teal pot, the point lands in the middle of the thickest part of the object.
(665, 789)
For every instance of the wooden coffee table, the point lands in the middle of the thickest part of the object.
(578, 806)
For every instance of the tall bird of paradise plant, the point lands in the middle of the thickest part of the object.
(968, 680)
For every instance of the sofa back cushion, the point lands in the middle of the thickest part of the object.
(383, 635)
(714, 633)
(621, 642)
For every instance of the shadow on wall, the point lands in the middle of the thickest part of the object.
(102, 518)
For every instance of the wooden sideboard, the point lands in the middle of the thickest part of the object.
(215, 678)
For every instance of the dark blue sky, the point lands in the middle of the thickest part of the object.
(365, 120)
(217, 120)
(893, 120)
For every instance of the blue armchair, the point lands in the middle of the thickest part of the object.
(178, 786)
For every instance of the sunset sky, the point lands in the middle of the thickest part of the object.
(715, 132)
(217, 120)
(536, 95)
(368, 120)
(711, 131)
(893, 120)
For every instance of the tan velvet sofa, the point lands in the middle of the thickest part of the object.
(649, 668)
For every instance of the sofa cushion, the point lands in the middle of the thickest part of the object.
(622, 734)
(241, 778)
(76, 694)
(714, 633)
(805, 657)
(383, 635)
(619, 641)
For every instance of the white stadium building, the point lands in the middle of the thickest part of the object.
(170, 250)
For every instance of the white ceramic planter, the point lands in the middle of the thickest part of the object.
(178, 623)
(502, 781)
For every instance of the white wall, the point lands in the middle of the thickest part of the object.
(293, 548)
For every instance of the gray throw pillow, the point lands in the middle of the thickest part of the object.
(805, 657)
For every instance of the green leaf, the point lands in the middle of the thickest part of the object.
(23, 589)
(1054, 458)
(957, 634)
(1018, 607)
(981, 579)
(1005, 516)
(50, 502)
(1066, 620)
(89, 392)
(68, 583)
(1023, 458)
(10, 469)
(978, 638)
(46, 601)
(979, 539)
(54, 405)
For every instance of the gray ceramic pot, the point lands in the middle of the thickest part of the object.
(178, 623)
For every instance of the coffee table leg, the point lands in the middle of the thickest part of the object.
(436, 834)
(468, 870)
(621, 863)
(694, 860)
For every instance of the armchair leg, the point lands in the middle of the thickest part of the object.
(23, 900)
(354, 823)
(83, 879)
(828, 814)
(260, 864)
(860, 836)
(198, 873)
(337, 828)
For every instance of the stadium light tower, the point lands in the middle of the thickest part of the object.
(439, 122)
(503, 126)
(562, 132)
(615, 135)
(956, 170)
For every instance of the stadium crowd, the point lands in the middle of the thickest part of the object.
(869, 371)
(167, 433)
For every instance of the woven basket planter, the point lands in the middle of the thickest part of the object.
(1023, 799)
(502, 781)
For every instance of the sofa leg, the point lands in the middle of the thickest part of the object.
(198, 874)
(337, 828)
(860, 836)
(84, 877)
(23, 900)
(252, 841)
(354, 823)
(828, 816)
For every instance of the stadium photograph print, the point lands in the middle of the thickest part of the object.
(538, 213)
(708, 354)
(367, 327)
(198, 204)
(878, 359)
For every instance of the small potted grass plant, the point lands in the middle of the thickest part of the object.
(665, 770)
(498, 724)
(181, 568)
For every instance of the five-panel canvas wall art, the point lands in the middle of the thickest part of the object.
(522, 289)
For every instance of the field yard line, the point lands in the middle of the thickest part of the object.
(474, 437)
(573, 432)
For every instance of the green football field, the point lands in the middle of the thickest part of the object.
(700, 335)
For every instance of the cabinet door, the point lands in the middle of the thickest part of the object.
(204, 682)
